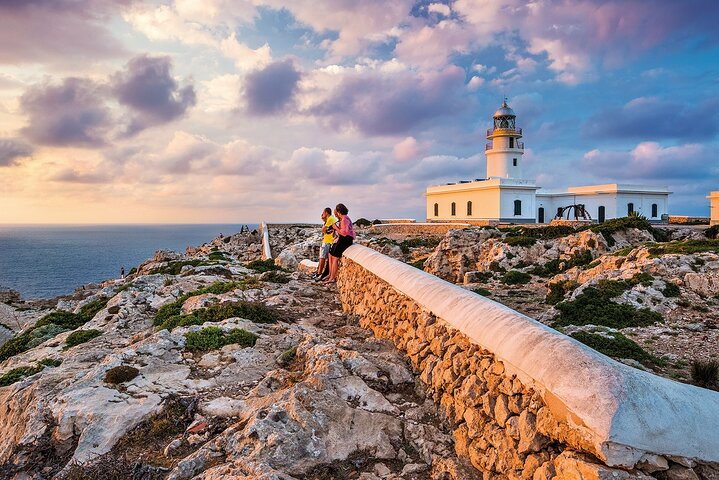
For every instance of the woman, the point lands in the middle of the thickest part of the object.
(345, 235)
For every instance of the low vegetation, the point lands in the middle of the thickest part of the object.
(615, 345)
(121, 374)
(559, 265)
(263, 265)
(212, 338)
(520, 241)
(705, 373)
(515, 277)
(219, 256)
(712, 232)
(363, 222)
(274, 276)
(686, 247)
(287, 357)
(255, 312)
(21, 373)
(642, 278)
(419, 263)
(671, 290)
(558, 290)
(482, 291)
(174, 268)
(81, 336)
(594, 306)
(407, 245)
(50, 326)
(218, 288)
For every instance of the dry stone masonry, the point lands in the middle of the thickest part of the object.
(523, 400)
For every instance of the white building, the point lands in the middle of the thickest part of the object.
(506, 197)
(714, 206)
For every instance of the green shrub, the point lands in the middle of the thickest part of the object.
(614, 345)
(174, 268)
(263, 265)
(212, 338)
(686, 247)
(419, 263)
(496, 267)
(712, 232)
(671, 290)
(17, 374)
(558, 265)
(255, 312)
(81, 336)
(218, 256)
(641, 277)
(482, 291)
(558, 290)
(277, 277)
(591, 243)
(593, 264)
(514, 277)
(623, 252)
(132, 271)
(543, 233)
(287, 357)
(174, 308)
(406, 245)
(705, 373)
(594, 307)
(520, 241)
(121, 374)
(610, 227)
(483, 277)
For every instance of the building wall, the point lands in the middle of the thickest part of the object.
(615, 204)
(714, 206)
(485, 204)
(528, 199)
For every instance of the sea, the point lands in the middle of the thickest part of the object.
(45, 261)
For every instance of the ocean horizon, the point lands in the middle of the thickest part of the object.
(48, 260)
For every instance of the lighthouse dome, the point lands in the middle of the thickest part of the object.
(504, 111)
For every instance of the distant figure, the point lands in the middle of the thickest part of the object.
(122, 271)
(221, 236)
(345, 236)
(328, 238)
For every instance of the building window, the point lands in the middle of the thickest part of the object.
(541, 215)
(517, 207)
(436, 209)
(469, 209)
(454, 209)
(655, 210)
(630, 208)
(514, 162)
(511, 142)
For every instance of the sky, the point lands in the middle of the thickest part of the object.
(212, 111)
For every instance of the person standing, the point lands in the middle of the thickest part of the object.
(122, 271)
(327, 240)
(345, 236)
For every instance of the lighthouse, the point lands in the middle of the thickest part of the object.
(504, 151)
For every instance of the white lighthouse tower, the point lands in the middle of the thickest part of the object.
(504, 153)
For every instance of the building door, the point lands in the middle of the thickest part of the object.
(630, 208)
(541, 215)
(602, 214)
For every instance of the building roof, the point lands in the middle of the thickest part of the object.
(504, 110)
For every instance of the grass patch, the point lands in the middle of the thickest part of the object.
(174, 268)
(520, 241)
(21, 373)
(515, 277)
(81, 336)
(482, 291)
(174, 308)
(419, 263)
(641, 278)
(121, 374)
(615, 345)
(558, 290)
(593, 264)
(263, 265)
(686, 247)
(287, 357)
(559, 265)
(594, 307)
(406, 245)
(671, 290)
(49, 326)
(705, 373)
(255, 312)
(277, 277)
(212, 338)
(219, 256)
(483, 277)
(543, 233)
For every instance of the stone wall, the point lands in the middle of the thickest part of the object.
(516, 411)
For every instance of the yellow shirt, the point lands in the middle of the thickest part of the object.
(328, 237)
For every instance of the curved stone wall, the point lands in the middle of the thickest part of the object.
(524, 400)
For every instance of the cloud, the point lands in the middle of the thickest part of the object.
(439, 8)
(651, 161)
(408, 149)
(270, 91)
(436, 169)
(70, 175)
(147, 87)
(654, 118)
(379, 104)
(58, 30)
(12, 150)
(332, 167)
(72, 113)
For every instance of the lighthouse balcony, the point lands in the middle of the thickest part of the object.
(504, 131)
(517, 146)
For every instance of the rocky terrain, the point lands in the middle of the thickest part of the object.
(644, 295)
(203, 365)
